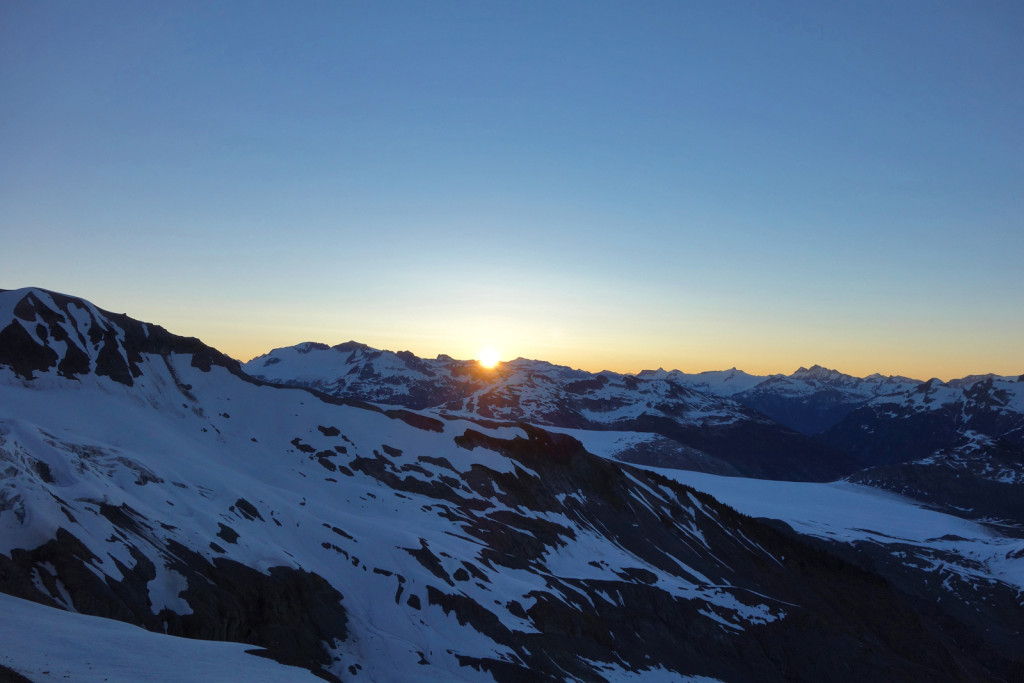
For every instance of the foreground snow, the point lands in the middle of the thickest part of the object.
(43, 643)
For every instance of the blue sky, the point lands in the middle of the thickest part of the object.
(605, 185)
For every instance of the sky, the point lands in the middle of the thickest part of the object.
(605, 185)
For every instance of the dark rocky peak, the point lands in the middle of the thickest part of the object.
(584, 385)
(929, 386)
(821, 374)
(928, 395)
(972, 380)
(42, 330)
(532, 365)
(348, 346)
(879, 378)
(306, 347)
(814, 399)
(417, 364)
(990, 393)
(356, 352)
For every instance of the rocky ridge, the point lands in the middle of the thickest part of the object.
(688, 428)
(896, 433)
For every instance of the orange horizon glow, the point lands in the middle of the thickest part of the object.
(631, 352)
(633, 363)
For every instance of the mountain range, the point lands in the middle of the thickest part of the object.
(958, 445)
(357, 514)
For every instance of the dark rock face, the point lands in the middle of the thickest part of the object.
(289, 612)
(23, 354)
(960, 448)
(873, 436)
(671, 454)
(978, 479)
(108, 344)
(845, 619)
(981, 621)
(124, 601)
(753, 448)
(806, 414)
(814, 399)
(931, 417)
(11, 676)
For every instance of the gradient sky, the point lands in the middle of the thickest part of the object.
(619, 185)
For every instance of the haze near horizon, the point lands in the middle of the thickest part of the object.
(602, 185)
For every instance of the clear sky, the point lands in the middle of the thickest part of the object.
(620, 185)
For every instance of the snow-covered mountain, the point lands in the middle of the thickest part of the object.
(723, 383)
(696, 430)
(809, 401)
(517, 390)
(146, 479)
(957, 445)
(724, 422)
(933, 415)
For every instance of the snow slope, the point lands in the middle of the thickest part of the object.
(47, 644)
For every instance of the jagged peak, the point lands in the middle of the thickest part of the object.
(660, 373)
(729, 373)
(930, 384)
(349, 346)
(819, 372)
(306, 347)
(42, 330)
(970, 380)
(533, 364)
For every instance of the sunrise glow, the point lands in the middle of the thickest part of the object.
(489, 358)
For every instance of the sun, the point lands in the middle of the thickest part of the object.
(489, 358)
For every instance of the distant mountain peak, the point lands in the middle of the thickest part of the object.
(350, 345)
(819, 372)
